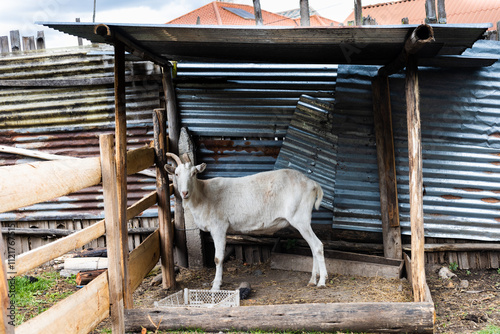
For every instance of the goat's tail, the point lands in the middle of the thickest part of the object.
(319, 196)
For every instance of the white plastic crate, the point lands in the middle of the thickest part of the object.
(201, 298)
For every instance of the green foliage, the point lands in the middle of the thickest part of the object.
(453, 266)
(491, 329)
(498, 271)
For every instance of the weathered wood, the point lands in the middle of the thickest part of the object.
(85, 263)
(357, 317)
(40, 40)
(305, 20)
(174, 122)
(420, 36)
(143, 259)
(164, 219)
(15, 40)
(358, 14)
(85, 277)
(416, 179)
(4, 44)
(113, 234)
(121, 162)
(386, 160)
(38, 256)
(27, 184)
(458, 247)
(430, 11)
(7, 310)
(257, 13)
(340, 263)
(441, 11)
(62, 318)
(29, 43)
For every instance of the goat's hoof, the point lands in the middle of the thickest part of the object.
(311, 284)
(321, 286)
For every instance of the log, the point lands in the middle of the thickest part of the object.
(31, 183)
(85, 277)
(92, 252)
(416, 179)
(357, 317)
(85, 263)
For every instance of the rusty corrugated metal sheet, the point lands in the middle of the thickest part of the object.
(68, 117)
(461, 150)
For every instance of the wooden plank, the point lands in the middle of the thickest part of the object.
(62, 317)
(7, 309)
(340, 263)
(15, 40)
(31, 183)
(143, 259)
(458, 247)
(39, 256)
(386, 160)
(416, 179)
(165, 226)
(357, 317)
(140, 159)
(4, 44)
(113, 233)
(430, 11)
(121, 162)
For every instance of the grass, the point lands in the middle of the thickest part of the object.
(491, 329)
(32, 297)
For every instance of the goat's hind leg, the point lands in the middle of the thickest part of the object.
(219, 238)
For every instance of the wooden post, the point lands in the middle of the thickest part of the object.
(113, 233)
(498, 30)
(121, 161)
(8, 313)
(164, 218)
(80, 40)
(15, 40)
(29, 43)
(173, 135)
(386, 167)
(4, 44)
(257, 12)
(358, 15)
(304, 13)
(430, 11)
(40, 40)
(441, 12)
(416, 180)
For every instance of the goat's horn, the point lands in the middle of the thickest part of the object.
(175, 157)
(185, 157)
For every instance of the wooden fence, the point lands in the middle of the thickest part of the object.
(32, 183)
(24, 43)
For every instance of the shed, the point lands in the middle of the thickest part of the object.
(392, 47)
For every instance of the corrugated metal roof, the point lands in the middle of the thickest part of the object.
(461, 150)
(68, 118)
(457, 11)
(372, 45)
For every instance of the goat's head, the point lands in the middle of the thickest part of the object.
(184, 174)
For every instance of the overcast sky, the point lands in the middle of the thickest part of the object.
(21, 14)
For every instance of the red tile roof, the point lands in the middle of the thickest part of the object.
(457, 11)
(214, 13)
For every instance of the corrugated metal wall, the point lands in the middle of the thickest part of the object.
(460, 112)
(59, 102)
(239, 114)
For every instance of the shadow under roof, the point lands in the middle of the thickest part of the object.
(367, 45)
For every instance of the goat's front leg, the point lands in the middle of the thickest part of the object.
(219, 237)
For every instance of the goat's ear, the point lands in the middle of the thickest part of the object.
(201, 168)
(170, 169)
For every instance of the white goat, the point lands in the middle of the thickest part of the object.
(264, 203)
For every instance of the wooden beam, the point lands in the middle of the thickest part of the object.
(143, 259)
(63, 317)
(27, 184)
(416, 179)
(113, 233)
(458, 247)
(386, 160)
(164, 219)
(121, 162)
(357, 317)
(7, 315)
(140, 159)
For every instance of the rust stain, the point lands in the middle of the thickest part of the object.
(225, 147)
(470, 189)
(490, 200)
(451, 197)
(496, 135)
(497, 219)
